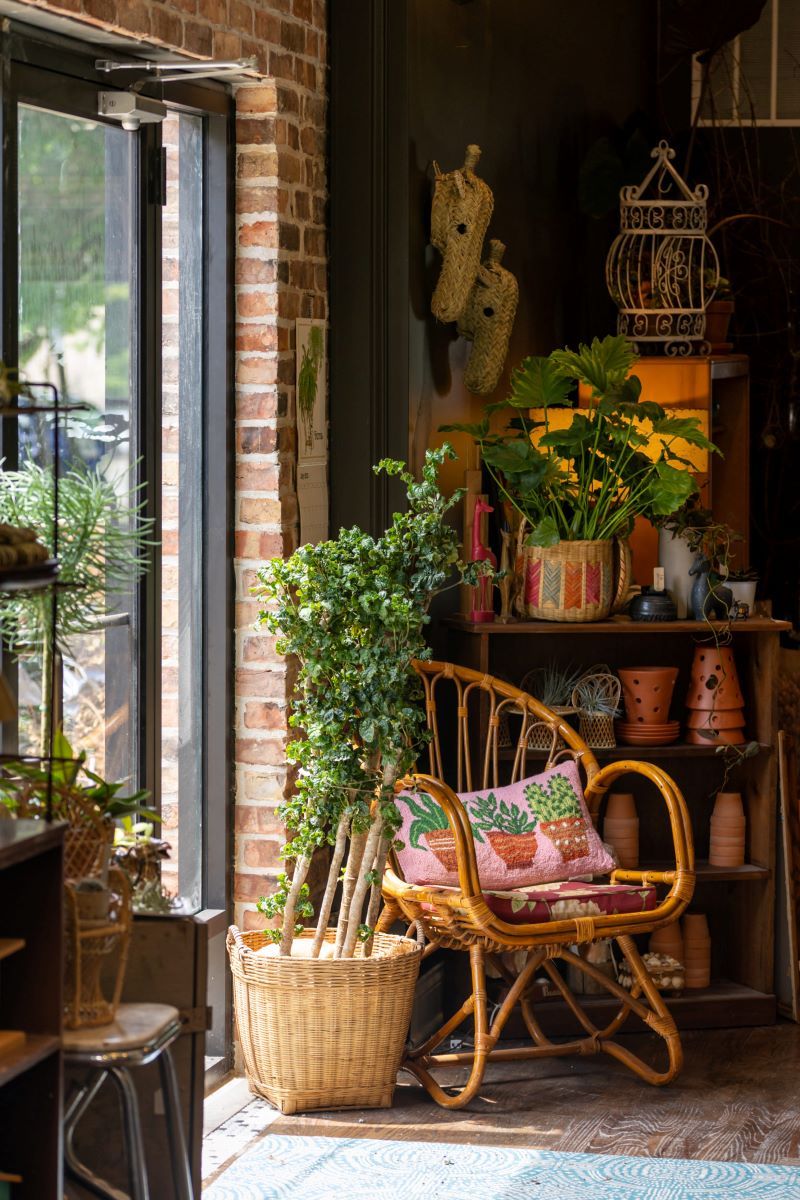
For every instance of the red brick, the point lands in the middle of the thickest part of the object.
(257, 98)
(256, 479)
(255, 304)
(259, 510)
(166, 27)
(132, 13)
(258, 199)
(256, 337)
(255, 131)
(262, 852)
(259, 233)
(240, 16)
(261, 751)
(267, 27)
(258, 715)
(249, 543)
(248, 889)
(256, 370)
(303, 10)
(256, 439)
(270, 685)
(198, 39)
(257, 818)
(258, 164)
(256, 270)
(260, 406)
(259, 647)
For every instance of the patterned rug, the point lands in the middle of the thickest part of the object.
(322, 1168)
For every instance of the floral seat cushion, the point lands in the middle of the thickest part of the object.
(559, 901)
(527, 833)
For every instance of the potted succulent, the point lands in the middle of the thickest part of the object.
(558, 811)
(553, 685)
(511, 831)
(431, 823)
(578, 489)
(352, 613)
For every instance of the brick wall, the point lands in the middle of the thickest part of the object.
(280, 274)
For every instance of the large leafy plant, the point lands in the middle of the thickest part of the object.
(590, 479)
(352, 613)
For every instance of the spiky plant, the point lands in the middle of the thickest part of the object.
(555, 802)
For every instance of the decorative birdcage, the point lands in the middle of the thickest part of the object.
(662, 271)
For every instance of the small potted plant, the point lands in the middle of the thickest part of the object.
(742, 585)
(577, 489)
(552, 685)
(596, 699)
(352, 613)
(687, 539)
(510, 830)
(718, 312)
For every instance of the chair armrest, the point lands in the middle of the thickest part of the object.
(682, 879)
(458, 820)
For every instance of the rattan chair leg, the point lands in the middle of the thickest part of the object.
(390, 913)
(659, 1019)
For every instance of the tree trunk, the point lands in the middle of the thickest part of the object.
(357, 902)
(375, 891)
(298, 879)
(358, 843)
(330, 887)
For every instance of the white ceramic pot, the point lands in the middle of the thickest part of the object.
(743, 590)
(676, 558)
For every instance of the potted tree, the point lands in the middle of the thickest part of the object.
(323, 1012)
(577, 489)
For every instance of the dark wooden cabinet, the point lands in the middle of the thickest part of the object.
(31, 971)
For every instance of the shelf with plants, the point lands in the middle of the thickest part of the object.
(560, 482)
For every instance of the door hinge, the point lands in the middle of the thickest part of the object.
(157, 182)
(196, 1020)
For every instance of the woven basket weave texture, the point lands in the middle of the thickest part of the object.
(317, 1033)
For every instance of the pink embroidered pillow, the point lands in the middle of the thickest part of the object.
(535, 831)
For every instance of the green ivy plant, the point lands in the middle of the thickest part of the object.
(591, 479)
(352, 613)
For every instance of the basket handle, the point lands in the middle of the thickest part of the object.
(234, 935)
(622, 556)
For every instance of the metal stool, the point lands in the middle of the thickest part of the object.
(140, 1034)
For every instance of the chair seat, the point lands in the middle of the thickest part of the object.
(136, 1027)
(559, 901)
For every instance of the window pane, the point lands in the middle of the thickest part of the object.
(182, 506)
(75, 330)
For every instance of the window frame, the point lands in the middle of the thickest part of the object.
(33, 55)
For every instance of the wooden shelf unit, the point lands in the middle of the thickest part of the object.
(741, 917)
(31, 949)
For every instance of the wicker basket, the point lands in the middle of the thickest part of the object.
(573, 581)
(318, 1033)
(96, 954)
(596, 726)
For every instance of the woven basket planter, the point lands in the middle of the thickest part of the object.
(572, 581)
(318, 1033)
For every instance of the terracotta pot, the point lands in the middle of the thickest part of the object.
(729, 837)
(728, 804)
(668, 940)
(732, 718)
(695, 925)
(443, 845)
(715, 737)
(515, 849)
(714, 684)
(648, 693)
(728, 826)
(620, 805)
(718, 318)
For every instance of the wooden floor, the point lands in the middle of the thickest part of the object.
(738, 1098)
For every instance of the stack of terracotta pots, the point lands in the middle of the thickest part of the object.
(648, 695)
(715, 701)
(726, 846)
(621, 829)
(668, 940)
(696, 950)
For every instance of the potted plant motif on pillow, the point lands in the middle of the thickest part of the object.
(510, 830)
(559, 813)
(431, 823)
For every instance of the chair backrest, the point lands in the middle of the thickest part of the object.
(487, 733)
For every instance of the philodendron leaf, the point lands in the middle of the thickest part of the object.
(537, 383)
(601, 366)
(477, 431)
(669, 489)
(544, 534)
(687, 428)
(570, 441)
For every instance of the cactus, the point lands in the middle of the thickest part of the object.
(556, 801)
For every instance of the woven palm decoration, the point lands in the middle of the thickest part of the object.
(460, 213)
(487, 320)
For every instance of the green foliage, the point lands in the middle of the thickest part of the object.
(70, 778)
(102, 543)
(352, 612)
(592, 478)
(272, 906)
(555, 801)
(488, 815)
(552, 684)
(428, 817)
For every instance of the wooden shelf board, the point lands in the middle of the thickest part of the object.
(724, 1005)
(23, 839)
(10, 946)
(616, 625)
(675, 750)
(708, 874)
(37, 1046)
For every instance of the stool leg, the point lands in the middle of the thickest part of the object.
(137, 1168)
(81, 1101)
(177, 1143)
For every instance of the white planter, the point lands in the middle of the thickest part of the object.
(744, 589)
(676, 558)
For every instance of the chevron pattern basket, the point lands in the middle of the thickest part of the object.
(571, 581)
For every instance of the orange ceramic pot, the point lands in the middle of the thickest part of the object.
(698, 718)
(648, 693)
(620, 805)
(715, 737)
(728, 804)
(668, 940)
(714, 685)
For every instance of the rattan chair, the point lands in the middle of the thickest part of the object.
(461, 918)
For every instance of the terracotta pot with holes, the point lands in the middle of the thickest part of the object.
(648, 693)
(715, 683)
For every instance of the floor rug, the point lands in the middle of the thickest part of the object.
(319, 1168)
